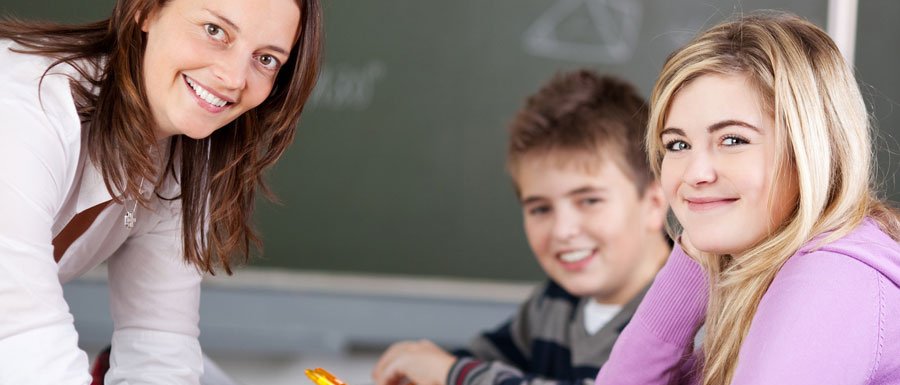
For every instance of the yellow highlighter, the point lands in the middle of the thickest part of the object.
(322, 377)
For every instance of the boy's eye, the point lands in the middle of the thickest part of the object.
(676, 146)
(733, 141)
(214, 31)
(590, 201)
(538, 210)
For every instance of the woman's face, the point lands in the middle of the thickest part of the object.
(720, 149)
(208, 61)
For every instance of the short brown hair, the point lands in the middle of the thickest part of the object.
(583, 113)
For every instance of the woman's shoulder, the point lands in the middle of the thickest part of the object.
(21, 67)
(28, 92)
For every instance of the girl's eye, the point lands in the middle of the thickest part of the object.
(269, 62)
(676, 145)
(214, 31)
(733, 141)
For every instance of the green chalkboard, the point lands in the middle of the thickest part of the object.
(398, 163)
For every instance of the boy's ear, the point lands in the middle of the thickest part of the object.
(656, 206)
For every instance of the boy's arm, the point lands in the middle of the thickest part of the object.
(656, 346)
(472, 371)
(420, 362)
(504, 355)
(424, 363)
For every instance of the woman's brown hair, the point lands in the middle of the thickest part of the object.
(218, 175)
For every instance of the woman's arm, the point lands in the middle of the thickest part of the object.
(38, 341)
(656, 345)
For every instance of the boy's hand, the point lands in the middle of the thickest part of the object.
(420, 362)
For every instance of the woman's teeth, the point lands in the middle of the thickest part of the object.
(205, 95)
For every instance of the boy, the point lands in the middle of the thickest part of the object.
(594, 219)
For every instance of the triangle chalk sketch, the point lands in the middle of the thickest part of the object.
(607, 29)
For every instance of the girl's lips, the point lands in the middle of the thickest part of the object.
(704, 204)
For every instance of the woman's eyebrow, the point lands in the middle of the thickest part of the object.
(224, 19)
(237, 29)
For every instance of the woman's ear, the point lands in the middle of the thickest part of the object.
(144, 22)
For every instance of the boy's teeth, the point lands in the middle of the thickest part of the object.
(206, 95)
(575, 256)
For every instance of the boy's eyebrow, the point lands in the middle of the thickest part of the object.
(580, 190)
(712, 128)
(531, 199)
(586, 189)
(238, 30)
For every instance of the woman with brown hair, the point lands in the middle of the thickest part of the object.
(139, 140)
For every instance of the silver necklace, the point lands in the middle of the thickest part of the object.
(129, 214)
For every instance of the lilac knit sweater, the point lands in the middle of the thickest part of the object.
(831, 316)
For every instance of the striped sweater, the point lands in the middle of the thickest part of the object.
(544, 344)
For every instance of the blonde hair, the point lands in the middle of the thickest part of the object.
(823, 136)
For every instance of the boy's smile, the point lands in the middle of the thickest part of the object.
(588, 227)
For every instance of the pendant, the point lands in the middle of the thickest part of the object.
(129, 220)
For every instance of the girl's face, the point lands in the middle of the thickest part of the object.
(717, 170)
(207, 62)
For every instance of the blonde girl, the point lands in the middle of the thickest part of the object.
(761, 141)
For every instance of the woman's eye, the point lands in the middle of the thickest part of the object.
(269, 62)
(676, 146)
(733, 141)
(214, 31)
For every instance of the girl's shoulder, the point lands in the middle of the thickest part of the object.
(866, 245)
(829, 303)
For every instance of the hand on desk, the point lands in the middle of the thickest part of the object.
(420, 362)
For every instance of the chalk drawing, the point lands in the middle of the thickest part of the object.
(347, 87)
(592, 31)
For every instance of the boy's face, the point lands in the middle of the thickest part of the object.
(588, 228)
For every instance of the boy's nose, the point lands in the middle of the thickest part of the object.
(566, 225)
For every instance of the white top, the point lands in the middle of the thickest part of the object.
(597, 314)
(46, 179)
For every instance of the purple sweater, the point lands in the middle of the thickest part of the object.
(831, 316)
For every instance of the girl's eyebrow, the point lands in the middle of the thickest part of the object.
(237, 29)
(712, 128)
(730, 122)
